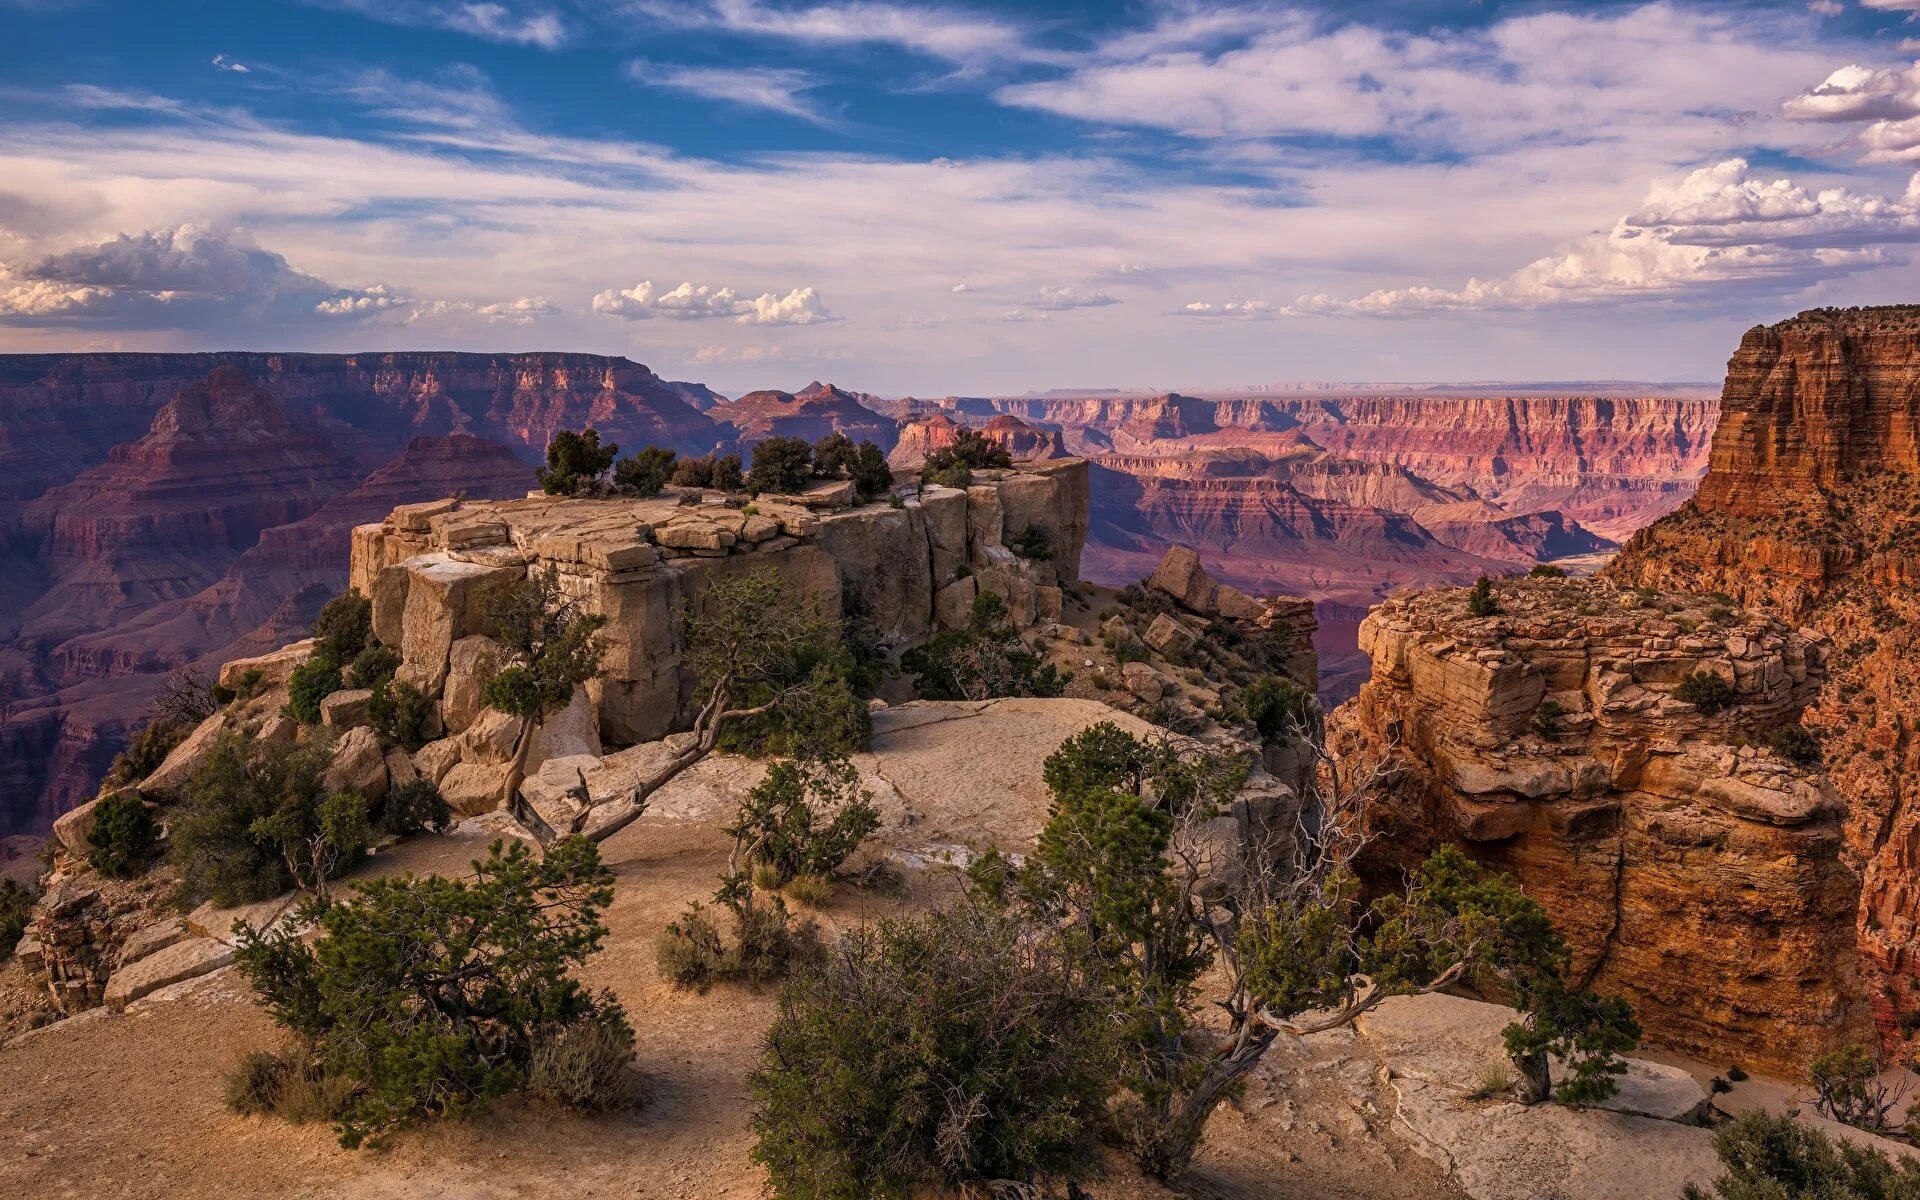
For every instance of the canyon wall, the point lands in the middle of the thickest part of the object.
(1693, 871)
(1811, 509)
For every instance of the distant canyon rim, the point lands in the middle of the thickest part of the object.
(161, 511)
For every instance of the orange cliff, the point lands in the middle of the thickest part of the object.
(1811, 509)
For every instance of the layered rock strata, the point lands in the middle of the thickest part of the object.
(1691, 870)
(1811, 509)
(907, 570)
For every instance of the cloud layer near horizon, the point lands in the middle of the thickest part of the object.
(1264, 170)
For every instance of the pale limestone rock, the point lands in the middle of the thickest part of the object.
(1181, 577)
(184, 960)
(945, 511)
(72, 828)
(953, 604)
(1166, 634)
(473, 788)
(219, 924)
(885, 569)
(346, 708)
(359, 765)
(489, 740)
(435, 759)
(153, 939)
(574, 730)
(185, 759)
(471, 662)
(1143, 681)
(1046, 603)
(444, 604)
(275, 668)
(279, 729)
(984, 525)
(400, 769)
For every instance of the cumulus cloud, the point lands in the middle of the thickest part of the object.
(222, 63)
(192, 276)
(1056, 298)
(1886, 101)
(772, 89)
(1243, 310)
(687, 302)
(1717, 231)
(1020, 316)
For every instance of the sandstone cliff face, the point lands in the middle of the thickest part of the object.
(1693, 872)
(1809, 510)
(909, 570)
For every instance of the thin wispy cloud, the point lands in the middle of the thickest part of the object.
(764, 89)
(515, 23)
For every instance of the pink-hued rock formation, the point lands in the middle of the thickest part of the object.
(810, 414)
(1024, 442)
(1811, 509)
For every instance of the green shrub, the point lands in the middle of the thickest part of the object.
(722, 473)
(645, 473)
(1706, 691)
(929, 1054)
(811, 891)
(983, 662)
(124, 837)
(1277, 707)
(312, 682)
(782, 465)
(767, 943)
(16, 905)
(832, 455)
(256, 819)
(343, 628)
(373, 666)
(430, 995)
(1480, 601)
(869, 471)
(1795, 743)
(1032, 543)
(1847, 1088)
(400, 714)
(413, 807)
(289, 1086)
(144, 754)
(575, 462)
(1547, 571)
(804, 818)
(1765, 1157)
(971, 451)
(253, 1086)
(1546, 719)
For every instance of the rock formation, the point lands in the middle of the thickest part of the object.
(1811, 509)
(1692, 870)
(908, 570)
(1024, 442)
(810, 414)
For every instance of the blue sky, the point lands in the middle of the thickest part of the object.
(939, 198)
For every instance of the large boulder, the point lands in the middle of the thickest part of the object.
(179, 765)
(574, 730)
(886, 573)
(444, 603)
(472, 661)
(274, 670)
(1181, 577)
(359, 765)
(72, 828)
(473, 788)
(346, 708)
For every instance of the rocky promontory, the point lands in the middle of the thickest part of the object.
(1612, 750)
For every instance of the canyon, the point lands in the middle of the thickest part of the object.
(1811, 509)
(144, 532)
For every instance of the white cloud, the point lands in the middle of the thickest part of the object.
(1887, 101)
(1243, 310)
(958, 37)
(222, 63)
(688, 302)
(734, 354)
(1134, 268)
(522, 310)
(773, 89)
(1566, 78)
(959, 288)
(1021, 316)
(192, 276)
(1069, 297)
(517, 23)
(1827, 8)
(1714, 233)
(1892, 5)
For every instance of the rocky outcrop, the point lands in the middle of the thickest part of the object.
(427, 568)
(1809, 510)
(1691, 870)
(810, 414)
(1024, 442)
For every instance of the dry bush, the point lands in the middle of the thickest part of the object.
(583, 1064)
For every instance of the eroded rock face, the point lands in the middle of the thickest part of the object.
(1692, 871)
(1024, 442)
(428, 568)
(1811, 509)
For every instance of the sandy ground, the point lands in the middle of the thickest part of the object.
(129, 1105)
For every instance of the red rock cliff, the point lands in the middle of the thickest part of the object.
(1811, 508)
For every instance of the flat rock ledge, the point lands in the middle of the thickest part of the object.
(175, 964)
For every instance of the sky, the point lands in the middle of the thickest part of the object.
(933, 199)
